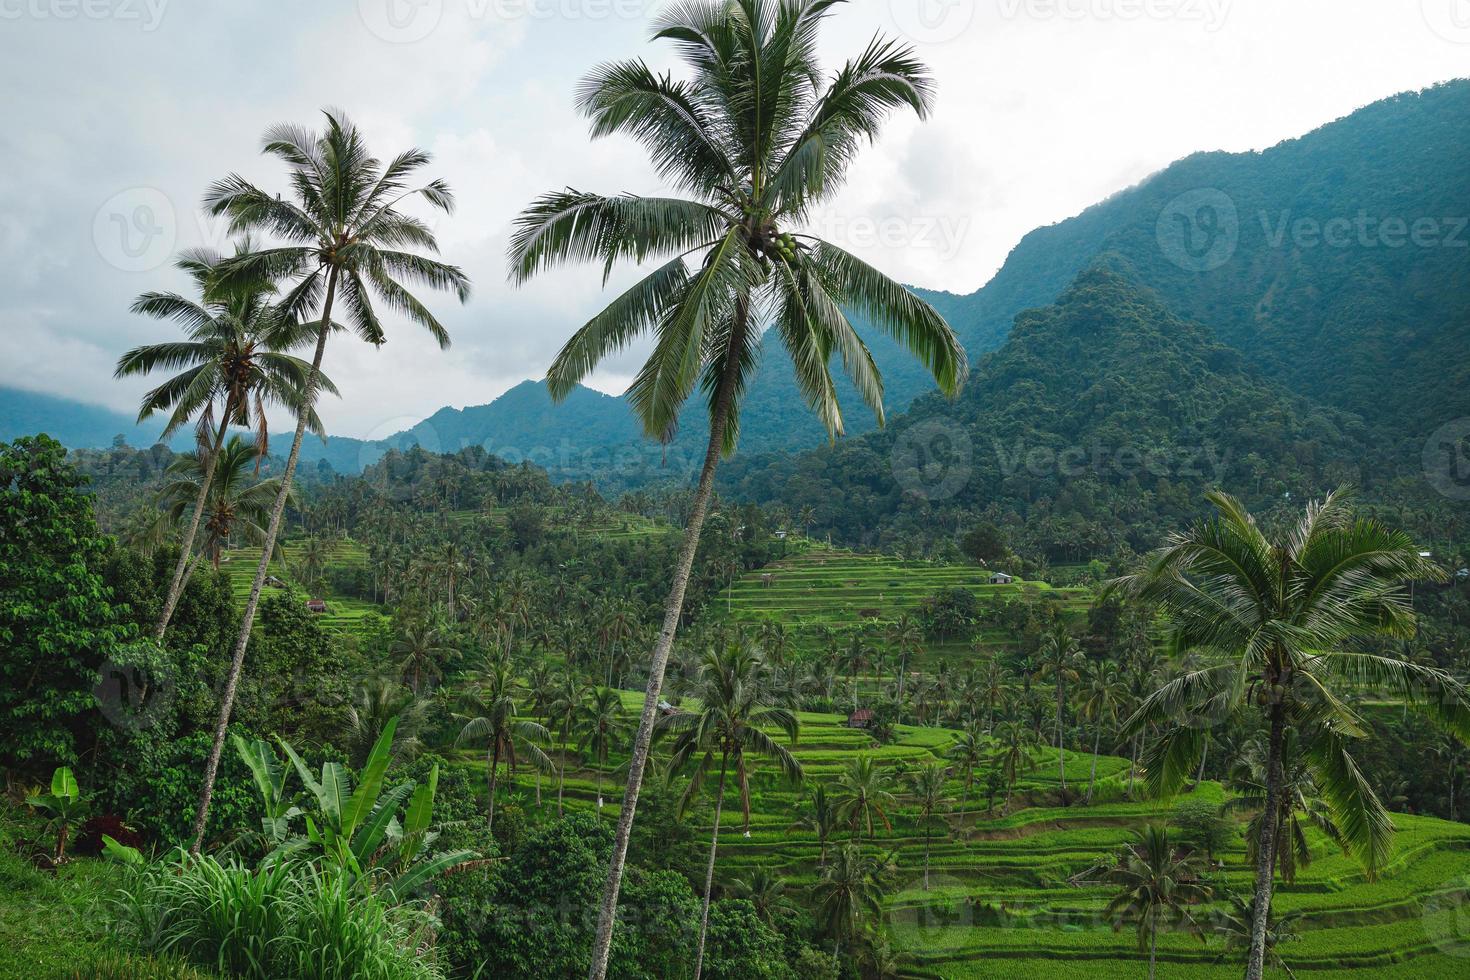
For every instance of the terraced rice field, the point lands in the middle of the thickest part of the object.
(825, 587)
(342, 615)
(1001, 901)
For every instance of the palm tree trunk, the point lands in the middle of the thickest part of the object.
(673, 611)
(492, 757)
(1204, 754)
(186, 546)
(1092, 779)
(1153, 951)
(928, 836)
(1266, 852)
(1061, 755)
(709, 871)
(561, 774)
(903, 669)
(237, 661)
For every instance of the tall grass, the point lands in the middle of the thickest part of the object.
(283, 920)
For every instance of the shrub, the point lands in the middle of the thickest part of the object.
(89, 837)
(284, 920)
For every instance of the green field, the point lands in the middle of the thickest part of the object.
(1001, 901)
(342, 615)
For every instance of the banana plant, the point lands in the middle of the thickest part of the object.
(65, 803)
(270, 781)
(358, 830)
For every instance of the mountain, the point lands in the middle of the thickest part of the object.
(71, 423)
(1337, 263)
(1293, 256)
(1102, 420)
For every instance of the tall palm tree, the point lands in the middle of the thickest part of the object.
(822, 820)
(1060, 659)
(755, 139)
(927, 786)
(603, 723)
(848, 892)
(421, 649)
(492, 716)
(908, 638)
(346, 244)
(235, 357)
(235, 506)
(855, 656)
(1271, 621)
(1102, 692)
(1015, 753)
(1157, 883)
(565, 708)
(967, 752)
(864, 794)
(736, 706)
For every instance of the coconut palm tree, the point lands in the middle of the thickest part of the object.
(1299, 804)
(1015, 753)
(855, 656)
(603, 723)
(235, 505)
(848, 892)
(1102, 692)
(1234, 926)
(1157, 883)
(1060, 659)
(967, 752)
(765, 891)
(345, 244)
(927, 786)
(864, 794)
(565, 708)
(755, 139)
(1272, 621)
(823, 818)
(492, 716)
(806, 517)
(422, 649)
(235, 357)
(736, 706)
(377, 701)
(908, 638)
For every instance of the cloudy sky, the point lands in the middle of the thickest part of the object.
(120, 112)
